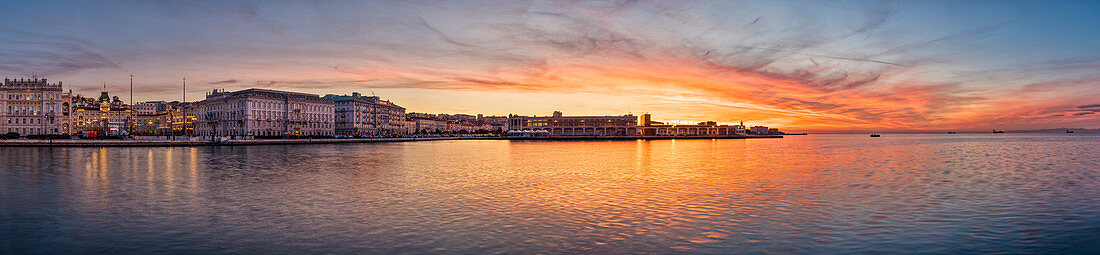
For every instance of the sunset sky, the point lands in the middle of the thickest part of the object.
(798, 65)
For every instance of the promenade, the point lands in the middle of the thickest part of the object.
(166, 143)
(207, 142)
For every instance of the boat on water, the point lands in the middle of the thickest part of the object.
(998, 131)
(950, 132)
(875, 135)
(1069, 131)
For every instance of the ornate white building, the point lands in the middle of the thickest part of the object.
(33, 107)
(263, 112)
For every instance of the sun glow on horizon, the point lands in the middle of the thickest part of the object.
(833, 67)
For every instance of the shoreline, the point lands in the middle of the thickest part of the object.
(557, 138)
(197, 143)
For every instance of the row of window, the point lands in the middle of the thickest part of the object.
(268, 105)
(27, 109)
(265, 105)
(28, 131)
(24, 96)
(265, 132)
(27, 121)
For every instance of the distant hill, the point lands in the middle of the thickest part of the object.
(1058, 130)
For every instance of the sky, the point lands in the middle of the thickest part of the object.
(818, 66)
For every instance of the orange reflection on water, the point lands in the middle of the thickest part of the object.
(785, 195)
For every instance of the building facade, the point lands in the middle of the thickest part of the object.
(367, 115)
(560, 125)
(145, 124)
(425, 124)
(263, 112)
(763, 130)
(178, 118)
(106, 116)
(708, 128)
(33, 107)
(147, 107)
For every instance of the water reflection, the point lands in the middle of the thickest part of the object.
(811, 194)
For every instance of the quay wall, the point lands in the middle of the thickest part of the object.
(639, 137)
(203, 142)
(167, 143)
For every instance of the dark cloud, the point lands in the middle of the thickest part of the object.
(225, 82)
(440, 34)
(807, 104)
(51, 58)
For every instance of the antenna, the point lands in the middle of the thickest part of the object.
(184, 90)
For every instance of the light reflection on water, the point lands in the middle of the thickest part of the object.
(800, 194)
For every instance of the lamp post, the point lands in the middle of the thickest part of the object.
(130, 124)
(213, 122)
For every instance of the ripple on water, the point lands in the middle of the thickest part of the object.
(802, 194)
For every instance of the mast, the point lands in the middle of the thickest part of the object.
(130, 122)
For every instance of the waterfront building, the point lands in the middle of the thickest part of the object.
(410, 126)
(367, 115)
(765, 131)
(421, 123)
(168, 118)
(263, 112)
(148, 107)
(560, 125)
(457, 118)
(463, 127)
(706, 128)
(76, 101)
(107, 116)
(145, 124)
(494, 123)
(426, 123)
(33, 107)
(176, 118)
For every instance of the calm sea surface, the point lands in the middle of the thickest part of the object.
(964, 193)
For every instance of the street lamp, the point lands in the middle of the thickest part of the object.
(213, 122)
